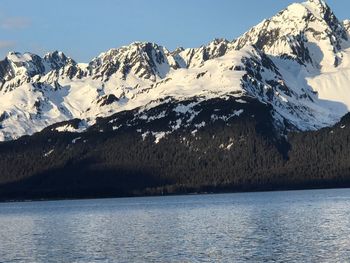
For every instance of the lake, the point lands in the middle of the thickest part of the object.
(295, 226)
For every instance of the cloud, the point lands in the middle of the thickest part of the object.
(6, 44)
(13, 23)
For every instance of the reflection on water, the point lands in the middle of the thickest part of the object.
(307, 226)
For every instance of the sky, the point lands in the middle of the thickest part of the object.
(83, 29)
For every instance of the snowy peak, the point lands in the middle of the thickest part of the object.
(58, 65)
(27, 63)
(143, 60)
(308, 32)
(325, 14)
(193, 57)
(56, 60)
(17, 69)
(32, 64)
(318, 6)
(346, 25)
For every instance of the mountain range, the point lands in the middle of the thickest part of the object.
(135, 119)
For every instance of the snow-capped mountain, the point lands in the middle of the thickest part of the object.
(297, 61)
(308, 32)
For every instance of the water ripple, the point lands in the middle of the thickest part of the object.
(296, 226)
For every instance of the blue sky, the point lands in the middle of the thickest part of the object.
(84, 28)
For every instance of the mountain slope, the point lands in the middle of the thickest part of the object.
(234, 151)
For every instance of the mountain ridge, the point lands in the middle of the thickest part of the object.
(278, 61)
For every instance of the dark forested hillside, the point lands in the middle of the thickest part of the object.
(240, 153)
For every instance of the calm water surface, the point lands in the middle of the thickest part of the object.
(300, 226)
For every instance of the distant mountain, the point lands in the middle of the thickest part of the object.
(252, 99)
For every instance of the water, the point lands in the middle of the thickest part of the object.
(298, 226)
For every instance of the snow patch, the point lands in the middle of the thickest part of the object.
(200, 125)
(236, 113)
(181, 108)
(159, 136)
(49, 153)
(75, 140)
(116, 127)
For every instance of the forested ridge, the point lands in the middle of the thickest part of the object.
(243, 153)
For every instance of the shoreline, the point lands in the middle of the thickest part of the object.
(31, 200)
